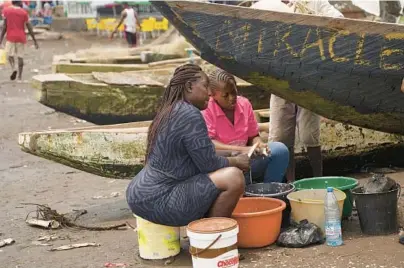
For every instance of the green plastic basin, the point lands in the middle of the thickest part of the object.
(344, 184)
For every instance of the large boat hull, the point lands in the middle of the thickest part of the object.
(114, 98)
(118, 151)
(346, 70)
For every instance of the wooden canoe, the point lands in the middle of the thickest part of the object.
(118, 150)
(112, 59)
(113, 98)
(343, 69)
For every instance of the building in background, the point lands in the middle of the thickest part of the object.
(112, 10)
(106, 9)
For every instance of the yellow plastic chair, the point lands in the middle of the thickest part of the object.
(105, 25)
(146, 25)
(110, 25)
(158, 26)
(164, 24)
(152, 21)
(91, 24)
(101, 27)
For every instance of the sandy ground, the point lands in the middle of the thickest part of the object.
(28, 179)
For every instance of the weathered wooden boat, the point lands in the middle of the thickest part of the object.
(113, 98)
(83, 68)
(343, 69)
(116, 64)
(137, 59)
(143, 57)
(118, 150)
(112, 59)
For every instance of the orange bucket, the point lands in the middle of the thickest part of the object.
(259, 220)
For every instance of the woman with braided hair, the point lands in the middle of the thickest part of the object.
(232, 126)
(183, 178)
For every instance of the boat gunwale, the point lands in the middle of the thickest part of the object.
(241, 12)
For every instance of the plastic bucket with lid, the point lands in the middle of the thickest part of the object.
(309, 204)
(377, 212)
(157, 241)
(344, 184)
(259, 220)
(213, 243)
(275, 190)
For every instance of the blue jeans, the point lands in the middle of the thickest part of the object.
(271, 168)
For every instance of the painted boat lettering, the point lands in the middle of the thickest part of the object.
(331, 44)
(314, 44)
(359, 60)
(388, 51)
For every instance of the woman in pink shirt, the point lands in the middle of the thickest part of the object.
(232, 126)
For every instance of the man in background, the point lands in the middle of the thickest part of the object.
(130, 21)
(286, 118)
(15, 21)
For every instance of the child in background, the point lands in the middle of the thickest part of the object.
(232, 126)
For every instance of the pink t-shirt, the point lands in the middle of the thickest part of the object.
(221, 129)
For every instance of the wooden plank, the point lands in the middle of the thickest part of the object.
(119, 60)
(134, 79)
(64, 67)
(145, 57)
(196, 60)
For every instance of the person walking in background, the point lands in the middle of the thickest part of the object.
(130, 21)
(15, 21)
(286, 118)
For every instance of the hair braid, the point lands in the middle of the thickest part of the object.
(173, 93)
(220, 75)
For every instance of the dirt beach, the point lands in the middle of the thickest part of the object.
(28, 179)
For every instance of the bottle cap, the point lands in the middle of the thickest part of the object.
(330, 189)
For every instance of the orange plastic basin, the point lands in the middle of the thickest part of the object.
(259, 220)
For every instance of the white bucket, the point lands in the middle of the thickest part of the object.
(156, 241)
(213, 243)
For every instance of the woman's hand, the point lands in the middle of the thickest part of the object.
(260, 150)
(243, 162)
(263, 149)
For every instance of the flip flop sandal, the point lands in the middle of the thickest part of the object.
(13, 76)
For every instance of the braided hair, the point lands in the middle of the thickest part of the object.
(174, 92)
(220, 75)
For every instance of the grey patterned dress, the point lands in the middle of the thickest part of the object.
(174, 188)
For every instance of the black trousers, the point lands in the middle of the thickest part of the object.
(131, 38)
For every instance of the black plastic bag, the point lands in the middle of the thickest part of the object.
(379, 183)
(300, 235)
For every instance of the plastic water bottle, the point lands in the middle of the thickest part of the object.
(333, 231)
